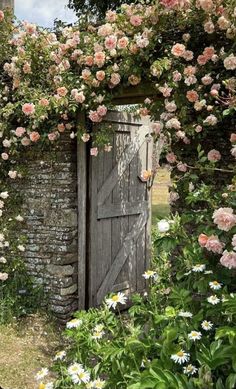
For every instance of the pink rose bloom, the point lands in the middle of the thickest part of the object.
(102, 110)
(62, 91)
(233, 138)
(192, 96)
(214, 155)
(198, 128)
(34, 136)
(19, 131)
(202, 59)
(182, 167)
(228, 259)
(234, 242)
(178, 50)
(190, 70)
(123, 42)
(86, 74)
(52, 136)
(230, 62)
(174, 196)
(100, 75)
(213, 244)
(99, 58)
(206, 5)
(165, 90)
(25, 141)
(208, 52)
(171, 157)
(169, 3)
(209, 27)
(79, 97)
(28, 109)
(61, 127)
(173, 123)
(170, 106)
(105, 30)
(224, 218)
(188, 55)
(1, 15)
(214, 92)
(3, 276)
(111, 16)
(136, 20)
(110, 42)
(115, 79)
(5, 156)
(94, 151)
(180, 134)
(177, 76)
(95, 117)
(12, 174)
(202, 240)
(89, 60)
(211, 120)
(85, 137)
(134, 80)
(207, 80)
(157, 127)
(43, 102)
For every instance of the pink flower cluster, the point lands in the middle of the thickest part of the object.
(224, 218)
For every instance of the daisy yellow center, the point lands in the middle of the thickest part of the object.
(115, 298)
(81, 374)
(149, 272)
(74, 369)
(180, 354)
(215, 283)
(42, 386)
(194, 333)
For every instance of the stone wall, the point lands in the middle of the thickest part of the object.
(50, 208)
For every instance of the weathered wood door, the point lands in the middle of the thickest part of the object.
(119, 202)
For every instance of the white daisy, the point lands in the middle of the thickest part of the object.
(75, 368)
(42, 373)
(150, 274)
(115, 299)
(213, 300)
(194, 335)
(215, 285)
(59, 356)
(190, 369)
(99, 327)
(74, 323)
(81, 377)
(98, 334)
(207, 325)
(199, 268)
(180, 357)
(99, 384)
(185, 314)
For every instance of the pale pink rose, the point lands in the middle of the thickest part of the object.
(100, 75)
(79, 97)
(209, 27)
(12, 174)
(62, 91)
(61, 127)
(1, 15)
(52, 136)
(110, 42)
(192, 96)
(34, 136)
(234, 241)
(223, 23)
(230, 62)
(19, 131)
(180, 134)
(228, 259)
(202, 240)
(6, 143)
(233, 138)
(86, 74)
(178, 50)
(213, 244)
(208, 52)
(43, 102)
(177, 76)
(85, 137)
(99, 58)
(169, 3)
(89, 60)
(115, 78)
(170, 106)
(136, 20)
(102, 110)
(28, 109)
(174, 196)
(214, 92)
(94, 151)
(157, 127)
(95, 117)
(182, 167)
(5, 156)
(134, 80)
(26, 68)
(165, 90)
(173, 123)
(207, 79)
(171, 157)
(211, 120)
(186, 140)
(202, 60)
(25, 141)
(188, 55)
(214, 155)
(105, 29)
(206, 5)
(224, 218)
(190, 80)
(198, 128)
(123, 42)
(3, 276)
(111, 16)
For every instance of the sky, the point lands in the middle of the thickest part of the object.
(43, 12)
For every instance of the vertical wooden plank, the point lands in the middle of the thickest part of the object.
(82, 218)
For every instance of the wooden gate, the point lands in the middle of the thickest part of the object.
(118, 236)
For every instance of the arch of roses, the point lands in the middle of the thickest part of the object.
(184, 50)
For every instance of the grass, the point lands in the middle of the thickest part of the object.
(160, 194)
(25, 348)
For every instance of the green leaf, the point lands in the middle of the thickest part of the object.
(231, 381)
